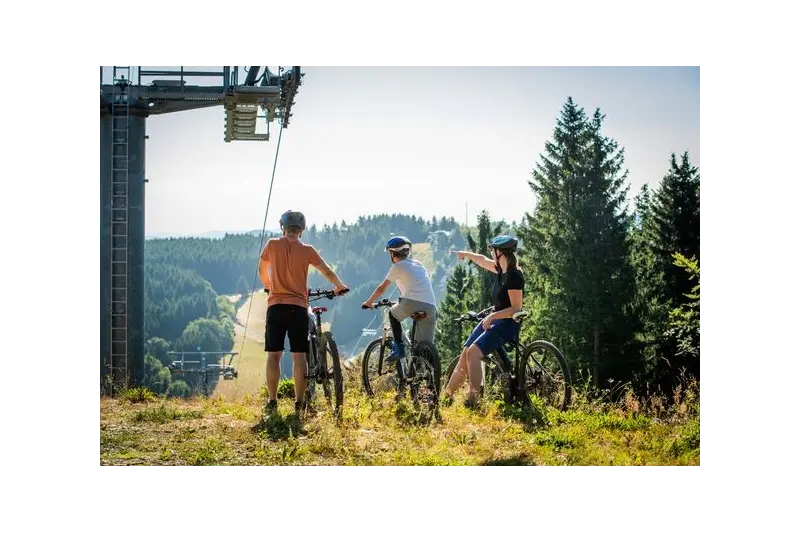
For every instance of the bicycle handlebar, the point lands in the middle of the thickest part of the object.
(321, 293)
(380, 303)
(317, 294)
(472, 316)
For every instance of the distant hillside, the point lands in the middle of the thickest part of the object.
(207, 234)
(184, 276)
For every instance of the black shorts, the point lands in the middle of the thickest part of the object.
(283, 319)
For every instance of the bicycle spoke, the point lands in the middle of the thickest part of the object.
(546, 375)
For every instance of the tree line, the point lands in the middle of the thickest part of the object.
(616, 289)
(184, 278)
(615, 286)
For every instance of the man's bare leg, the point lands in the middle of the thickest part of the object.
(273, 373)
(299, 372)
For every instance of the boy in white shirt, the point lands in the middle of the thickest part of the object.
(416, 294)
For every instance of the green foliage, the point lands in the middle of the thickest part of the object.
(158, 348)
(208, 335)
(138, 395)
(156, 376)
(577, 248)
(184, 277)
(162, 414)
(482, 287)
(286, 388)
(178, 389)
(684, 324)
(459, 299)
(668, 222)
(674, 224)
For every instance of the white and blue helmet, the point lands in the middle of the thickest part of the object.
(399, 244)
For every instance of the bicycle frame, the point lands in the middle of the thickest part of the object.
(312, 356)
(403, 363)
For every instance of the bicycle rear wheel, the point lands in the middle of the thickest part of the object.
(425, 375)
(332, 382)
(547, 374)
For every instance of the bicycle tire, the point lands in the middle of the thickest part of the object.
(370, 354)
(332, 370)
(312, 362)
(427, 352)
(562, 363)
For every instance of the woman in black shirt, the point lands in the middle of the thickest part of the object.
(496, 328)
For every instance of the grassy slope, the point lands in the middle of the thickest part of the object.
(228, 428)
(377, 431)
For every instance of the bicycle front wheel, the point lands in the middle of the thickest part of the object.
(332, 382)
(547, 374)
(378, 376)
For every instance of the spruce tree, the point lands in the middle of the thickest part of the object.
(577, 247)
(457, 301)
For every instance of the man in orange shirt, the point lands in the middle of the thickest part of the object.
(283, 270)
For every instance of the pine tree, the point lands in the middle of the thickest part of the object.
(485, 279)
(577, 243)
(674, 226)
(457, 301)
(649, 305)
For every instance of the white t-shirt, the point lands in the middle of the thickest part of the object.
(412, 280)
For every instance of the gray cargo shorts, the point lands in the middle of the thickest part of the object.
(426, 328)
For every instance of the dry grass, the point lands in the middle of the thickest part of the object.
(376, 431)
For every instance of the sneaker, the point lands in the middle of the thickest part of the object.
(398, 352)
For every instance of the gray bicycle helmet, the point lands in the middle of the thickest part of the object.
(293, 218)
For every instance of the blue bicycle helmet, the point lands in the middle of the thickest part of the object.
(506, 243)
(398, 244)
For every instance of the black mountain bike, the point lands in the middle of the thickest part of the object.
(324, 366)
(545, 375)
(419, 370)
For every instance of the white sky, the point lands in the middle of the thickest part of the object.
(425, 141)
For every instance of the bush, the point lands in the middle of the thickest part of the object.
(139, 395)
(178, 389)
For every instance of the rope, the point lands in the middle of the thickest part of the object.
(260, 247)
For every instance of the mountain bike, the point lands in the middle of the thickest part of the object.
(546, 374)
(419, 370)
(324, 365)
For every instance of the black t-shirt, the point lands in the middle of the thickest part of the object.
(511, 280)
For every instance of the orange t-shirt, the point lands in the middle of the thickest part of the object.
(288, 260)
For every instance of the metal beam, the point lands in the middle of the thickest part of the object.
(185, 73)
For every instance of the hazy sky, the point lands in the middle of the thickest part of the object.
(425, 141)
